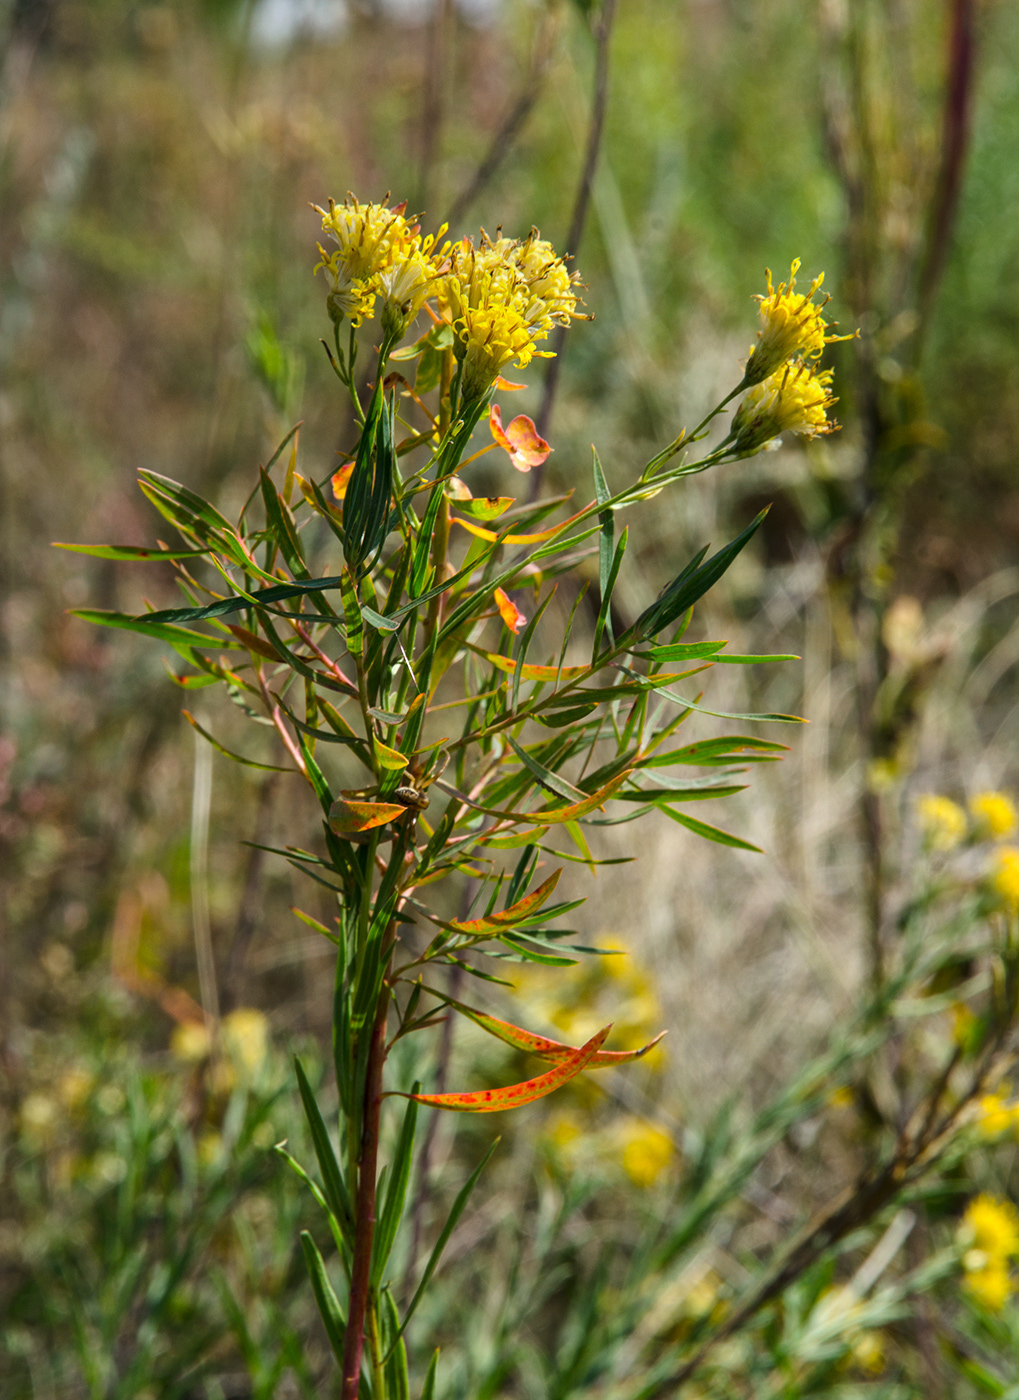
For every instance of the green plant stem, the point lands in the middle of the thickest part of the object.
(364, 1224)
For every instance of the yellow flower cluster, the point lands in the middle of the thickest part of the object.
(989, 1236)
(371, 240)
(997, 1115)
(1005, 876)
(501, 298)
(942, 821)
(647, 1152)
(993, 814)
(795, 399)
(792, 327)
(786, 392)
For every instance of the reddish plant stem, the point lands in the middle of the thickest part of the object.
(364, 1218)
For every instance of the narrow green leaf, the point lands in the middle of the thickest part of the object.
(552, 781)
(457, 1209)
(691, 585)
(710, 833)
(604, 612)
(428, 1393)
(229, 753)
(130, 552)
(397, 1379)
(329, 1308)
(332, 1178)
(281, 527)
(352, 613)
(150, 626)
(396, 1193)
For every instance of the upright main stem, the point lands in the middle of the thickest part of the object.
(364, 1223)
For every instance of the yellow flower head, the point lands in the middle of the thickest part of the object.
(993, 813)
(403, 287)
(190, 1041)
(942, 821)
(369, 238)
(990, 1229)
(791, 325)
(991, 1285)
(1005, 875)
(647, 1151)
(502, 298)
(793, 400)
(246, 1038)
(996, 1115)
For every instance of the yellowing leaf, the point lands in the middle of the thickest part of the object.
(487, 507)
(347, 817)
(579, 809)
(537, 538)
(515, 1095)
(520, 439)
(507, 918)
(390, 758)
(541, 1046)
(529, 672)
(508, 611)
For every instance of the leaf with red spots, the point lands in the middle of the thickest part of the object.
(347, 817)
(515, 1095)
(540, 1045)
(504, 919)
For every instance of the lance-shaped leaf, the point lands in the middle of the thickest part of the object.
(537, 538)
(515, 1095)
(578, 809)
(540, 1045)
(529, 672)
(328, 1304)
(691, 584)
(130, 552)
(182, 639)
(501, 920)
(348, 817)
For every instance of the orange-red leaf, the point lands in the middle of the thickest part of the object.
(578, 809)
(508, 611)
(541, 1046)
(504, 919)
(341, 480)
(520, 439)
(347, 817)
(514, 1095)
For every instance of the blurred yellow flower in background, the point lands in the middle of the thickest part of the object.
(190, 1042)
(647, 1152)
(942, 821)
(1005, 875)
(246, 1039)
(989, 1235)
(997, 1115)
(993, 813)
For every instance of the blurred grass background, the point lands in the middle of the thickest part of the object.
(157, 309)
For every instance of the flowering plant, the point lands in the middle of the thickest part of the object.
(436, 693)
